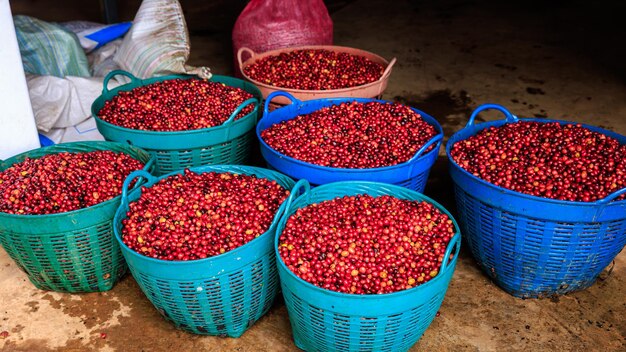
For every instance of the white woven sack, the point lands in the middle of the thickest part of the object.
(158, 42)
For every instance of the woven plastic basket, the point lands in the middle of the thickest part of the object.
(411, 174)
(324, 320)
(228, 143)
(221, 295)
(532, 246)
(72, 251)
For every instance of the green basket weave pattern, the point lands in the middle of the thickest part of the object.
(228, 143)
(73, 251)
(234, 151)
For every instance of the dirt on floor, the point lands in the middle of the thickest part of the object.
(537, 59)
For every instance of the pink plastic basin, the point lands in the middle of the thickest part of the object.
(369, 90)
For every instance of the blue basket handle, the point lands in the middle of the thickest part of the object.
(275, 94)
(611, 196)
(454, 244)
(129, 179)
(114, 73)
(238, 110)
(510, 118)
(436, 139)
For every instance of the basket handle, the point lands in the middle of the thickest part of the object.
(454, 244)
(275, 94)
(387, 70)
(240, 56)
(510, 118)
(302, 185)
(612, 196)
(129, 179)
(148, 166)
(385, 74)
(436, 139)
(114, 73)
(238, 110)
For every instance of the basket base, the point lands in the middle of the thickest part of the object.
(533, 258)
(63, 289)
(530, 294)
(62, 268)
(299, 344)
(226, 304)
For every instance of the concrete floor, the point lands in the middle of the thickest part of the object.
(564, 62)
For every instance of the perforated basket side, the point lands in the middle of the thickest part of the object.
(316, 328)
(531, 257)
(86, 260)
(416, 183)
(236, 151)
(226, 305)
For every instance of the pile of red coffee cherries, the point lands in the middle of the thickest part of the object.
(551, 160)
(366, 245)
(57, 183)
(175, 105)
(352, 135)
(194, 216)
(318, 69)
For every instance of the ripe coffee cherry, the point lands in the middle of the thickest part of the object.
(193, 216)
(565, 162)
(57, 183)
(317, 69)
(352, 135)
(175, 105)
(366, 245)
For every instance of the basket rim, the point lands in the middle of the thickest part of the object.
(336, 48)
(372, 296)
(182, 133)
(302, 163)
(125, 248)
(483, 125)
(81, 210)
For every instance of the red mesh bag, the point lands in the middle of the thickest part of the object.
(273, 24)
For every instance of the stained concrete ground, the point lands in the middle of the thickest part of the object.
(563, 60)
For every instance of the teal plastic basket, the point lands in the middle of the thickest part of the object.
(72, 251)
(324, 320)
(221, 295)
(228, 143)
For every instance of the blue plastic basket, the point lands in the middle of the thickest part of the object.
(532, 246)
(411, 174)
(324, 320)
(221, 295)
(228, 143)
